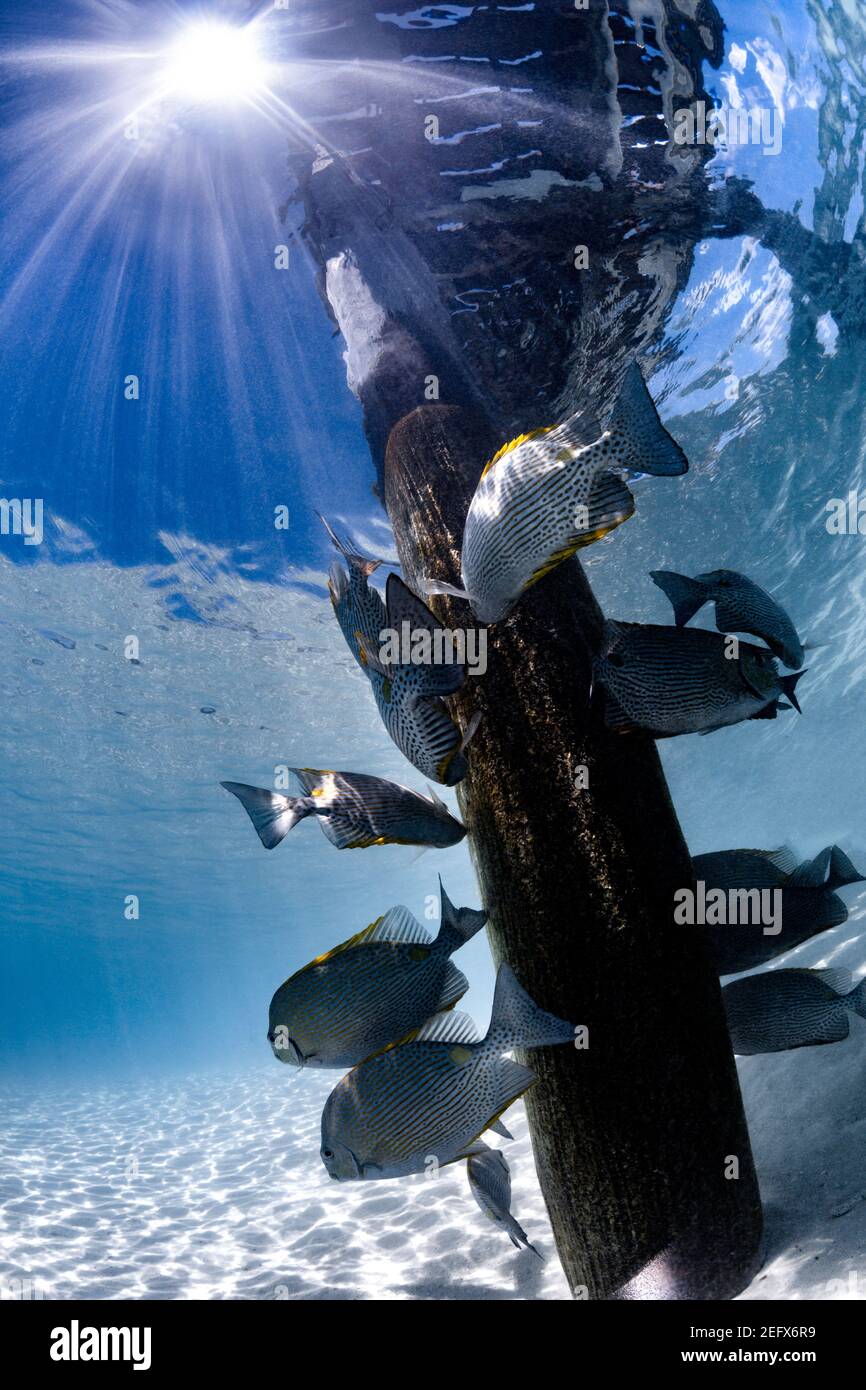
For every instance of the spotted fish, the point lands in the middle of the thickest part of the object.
(548, 493)
(741, 606)
(374, 989)
(672, 680)
(408, 692)
(354, 811)
(490, 1184)
(782, 1009)
(428, 1101)
(357, 605)
(810, 903)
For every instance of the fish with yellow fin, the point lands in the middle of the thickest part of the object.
(408, 694)
(354, 810)
(430, 1100)
(377, 988)
(548, 493)
(358, 607)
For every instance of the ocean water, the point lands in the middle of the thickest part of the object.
(166, 635)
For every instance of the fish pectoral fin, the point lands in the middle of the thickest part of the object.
(615, 717)
(439, 586)
(370, 658)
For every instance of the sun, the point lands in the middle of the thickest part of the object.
(214, 62)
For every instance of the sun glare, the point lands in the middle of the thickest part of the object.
(212, 62)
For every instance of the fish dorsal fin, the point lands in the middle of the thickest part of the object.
(514, 444)
(838, 978)
(784, 858)
(449, 1027)
(396, 925)
(358, 939)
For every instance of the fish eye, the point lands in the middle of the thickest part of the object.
(615, 659)
(327, 1153)
(272, 1037)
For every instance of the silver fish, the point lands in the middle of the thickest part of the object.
(741, 606)
(408, 694)
(490, 1184)
(809, 902)
(354, 811)
(374, 989)
(430, 1100)
(358, 607)
(782, 1009)
(672, 680)
(548, 493)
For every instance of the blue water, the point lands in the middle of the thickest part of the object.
(155, 258)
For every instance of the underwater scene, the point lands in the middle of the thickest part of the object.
(439, 434)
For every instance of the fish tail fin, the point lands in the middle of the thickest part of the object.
(856, 1000)
(520, 1239)
(366, 564)
(789, 685)
(842, 871)
(644, 444)
(272, 815)
(458, 924)
(812, 873)
(686, 595)
(438, 586)
(520, 1019)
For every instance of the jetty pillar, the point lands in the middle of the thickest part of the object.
(640, 1140)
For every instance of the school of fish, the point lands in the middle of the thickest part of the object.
(421, 1087)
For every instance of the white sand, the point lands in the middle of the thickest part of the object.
(230, 1200)
(212, 1187)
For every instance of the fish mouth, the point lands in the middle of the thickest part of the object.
(343, 1177)
(287, 1052)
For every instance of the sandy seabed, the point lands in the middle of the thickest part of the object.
(212, 1188)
